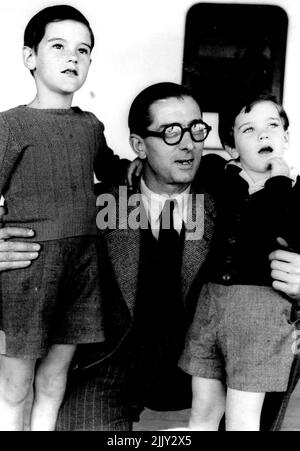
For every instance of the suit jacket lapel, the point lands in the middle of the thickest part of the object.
(123, 245)
(124, 251)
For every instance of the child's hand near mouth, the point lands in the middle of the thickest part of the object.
(277, 166)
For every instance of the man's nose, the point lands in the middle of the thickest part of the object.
(186, 142)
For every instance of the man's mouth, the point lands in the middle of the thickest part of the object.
(265, 150)
(70, 72)
(186, 163)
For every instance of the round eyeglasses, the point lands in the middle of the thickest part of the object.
(172, 134)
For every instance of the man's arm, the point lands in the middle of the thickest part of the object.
(16, 254)
(285, 271)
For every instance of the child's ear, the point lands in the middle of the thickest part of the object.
(232, 151)
(286, 140)
(29, 58)
(138, 146)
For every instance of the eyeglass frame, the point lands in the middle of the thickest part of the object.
(183, 131)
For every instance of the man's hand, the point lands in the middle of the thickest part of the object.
(285, 266)
(134, 170)
(16, 254)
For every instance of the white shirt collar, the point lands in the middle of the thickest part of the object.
(257, 186)
(154, 203)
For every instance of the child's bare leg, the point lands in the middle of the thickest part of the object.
(15, 383)
(49, 387)
(243, 410)
(208, 404)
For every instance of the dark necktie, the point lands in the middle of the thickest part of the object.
(168, 238)
(171, 249)
(160, 319)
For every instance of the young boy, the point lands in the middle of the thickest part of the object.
(47, 154)
(241, 335)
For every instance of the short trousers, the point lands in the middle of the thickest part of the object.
(241, 335)
(57, 300)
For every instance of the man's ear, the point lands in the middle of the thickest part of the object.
(29, 58)
(232, 151)
(138, 146)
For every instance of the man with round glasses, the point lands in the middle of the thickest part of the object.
(150, 297)
(167, 133)
(137, 366)
(149, 275)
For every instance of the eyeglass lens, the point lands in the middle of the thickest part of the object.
(173, 134)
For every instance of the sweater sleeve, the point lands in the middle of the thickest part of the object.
(293, 218)
(4, 137)
(9, 153)
(109, 168)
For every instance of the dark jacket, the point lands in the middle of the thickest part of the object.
(247, 225)
(119, 252)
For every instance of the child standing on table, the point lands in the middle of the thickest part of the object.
(241, 336)
(47, 154)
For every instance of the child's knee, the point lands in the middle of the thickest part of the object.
(15, 383)
(15, 393)
(50, 380)
(207, 410)
(206, 417)
(208, 404)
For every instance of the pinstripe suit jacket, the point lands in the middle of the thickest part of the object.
(119, 252)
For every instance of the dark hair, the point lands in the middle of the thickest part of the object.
(139, 114)
(35, 29)
(244, 102)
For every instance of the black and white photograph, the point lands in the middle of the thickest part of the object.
(150, 149)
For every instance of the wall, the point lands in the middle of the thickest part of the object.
(138, 42)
